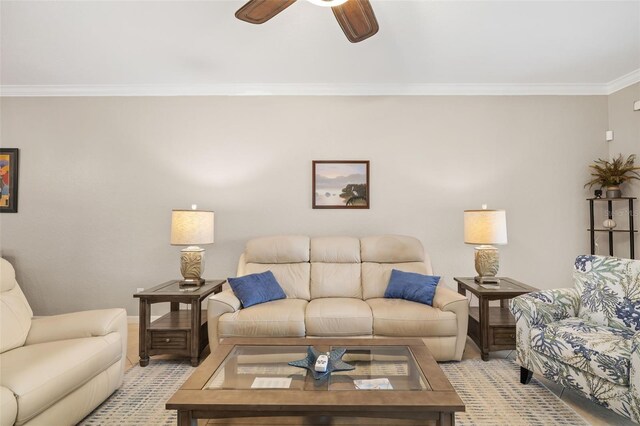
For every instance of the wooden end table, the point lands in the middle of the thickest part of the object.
(179, 332)
(492, 328)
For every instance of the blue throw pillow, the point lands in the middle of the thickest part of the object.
(256, 288)
(411, 286)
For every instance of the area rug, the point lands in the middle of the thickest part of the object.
(141, 399)
(491, 391)
(493, 395)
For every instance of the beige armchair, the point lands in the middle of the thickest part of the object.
(55, 370)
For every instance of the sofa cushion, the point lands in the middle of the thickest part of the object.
(15, 312)
(336, 280)
(280, 318)
(600, 350)
(609, 289)
(375, 276)
(336, 316)
(403, 318)
(41, 374)
(294, 278)
(277, 249)
(411, 286)
(254, 289)
(335, 267)
(391, 249)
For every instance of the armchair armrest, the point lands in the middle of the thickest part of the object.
(77, 325)
(536, 310)
(634, 371)
(543, 307)
(219, 304)
(82, 324)
(446, 299)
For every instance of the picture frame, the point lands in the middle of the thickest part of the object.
(9, 165)
(340, 184)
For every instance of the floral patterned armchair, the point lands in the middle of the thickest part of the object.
(586, 338)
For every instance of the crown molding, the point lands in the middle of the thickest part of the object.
(625, 81)
(311, 89)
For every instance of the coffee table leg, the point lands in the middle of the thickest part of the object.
(185, 419)
(446, 419)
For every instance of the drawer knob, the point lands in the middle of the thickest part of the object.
(167, 340)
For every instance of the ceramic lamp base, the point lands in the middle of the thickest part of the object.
(192, 266)
(487, 262)
(487, 280)
(192, 282)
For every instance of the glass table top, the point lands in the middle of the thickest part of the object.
(266, 367)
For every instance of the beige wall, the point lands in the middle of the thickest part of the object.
(99, 177)
(625, 123)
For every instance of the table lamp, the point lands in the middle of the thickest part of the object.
(191, 228)
(485, 228)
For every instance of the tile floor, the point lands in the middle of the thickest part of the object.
(591, 412)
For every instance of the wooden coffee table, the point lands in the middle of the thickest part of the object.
(223, 387)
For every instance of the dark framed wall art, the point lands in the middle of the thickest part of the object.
(9, 180)
(340, 184)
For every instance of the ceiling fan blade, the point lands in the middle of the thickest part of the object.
(357, 19)
(260, 11)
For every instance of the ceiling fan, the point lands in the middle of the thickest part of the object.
(356, 17)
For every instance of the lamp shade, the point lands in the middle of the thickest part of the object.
(191, 227)
(485, 227)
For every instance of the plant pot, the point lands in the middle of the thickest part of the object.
(614, 192)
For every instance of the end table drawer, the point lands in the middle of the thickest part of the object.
(169, 340)
(503, 335)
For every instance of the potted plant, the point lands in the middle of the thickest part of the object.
(611, 174)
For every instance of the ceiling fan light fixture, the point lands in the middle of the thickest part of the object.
(328, 3)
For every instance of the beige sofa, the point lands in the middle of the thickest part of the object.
(55, 370)
(335, 287)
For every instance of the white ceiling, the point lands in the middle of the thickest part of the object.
(183, 47)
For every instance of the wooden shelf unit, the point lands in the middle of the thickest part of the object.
(631, 231)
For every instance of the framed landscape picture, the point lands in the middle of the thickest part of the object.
(341, 185)
(8, 180)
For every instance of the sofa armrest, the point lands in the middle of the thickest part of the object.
(8, 407)
(77, 325)
(536, 310)
(219, 304)
(446, 299)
